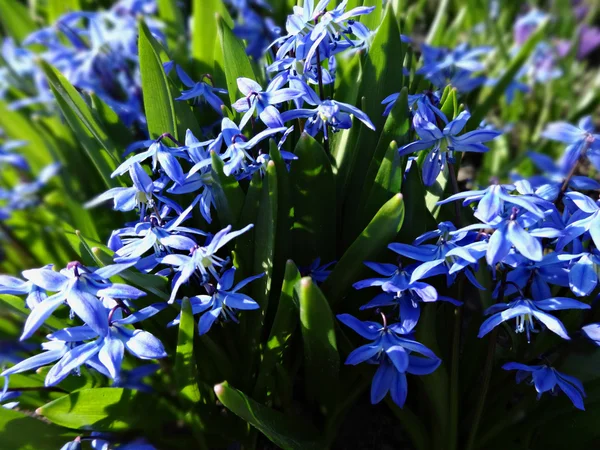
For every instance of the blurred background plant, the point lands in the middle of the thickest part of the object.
(206, 90)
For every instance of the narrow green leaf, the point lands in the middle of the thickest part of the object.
(314, 229)
(491, 99)
(158, 101)
(229, 197)
(111, 122)
(57, 8)
(107, 409)
(396, 128)
(235, 61)
(171, 16)
(15, 20)
(287, 432)
(415, 206)
(244, 244)
(286, 320)
(204, 31)
(19, 431)
(85, 124)
(381, 77)
(321, 357)
(375, 237)
(372, 20)
(185, 364)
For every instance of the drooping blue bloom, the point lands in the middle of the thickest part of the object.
(435, 258)
(494, 200)
(328, 114)
(456, 67)
(317, 271)
(222, 302)
(200, 91)
(140, 195)
(263, 102)
(428, 99)
(400, 291)
(161, 155)
(81, 288)
(104, 354)
(153, 234)
(590, 223)
(26, 194)
(583, 273)
(15, 286)
(525, 310)
(548, 379)
(203, 259)
(256, 30)
(553, 269)
(7, 156)
(442, 143)
(579, 139)
(525, 25)
(394, 351)
(554, 176)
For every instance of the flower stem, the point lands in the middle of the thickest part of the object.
(322, 97)
(454, 371)
(487, 374)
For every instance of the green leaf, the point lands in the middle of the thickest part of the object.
(171, 16)
(107, 409)
(17, 305)
(314, 229)
(85, 124)
(57, 8)
(185, 364)
(229, 197)
(158, 100)
(204, 31)
(244, 244)
(414, 194)
(375, 237)
(384, 165)
(286, 320)
(19, 431)
(287, 432)
(235, 61)
(111, 121)
(491, 99)
(381, 77)
(15, 20)
(372, 20)
(321, 357)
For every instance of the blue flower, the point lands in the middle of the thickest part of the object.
(203, 259)
(328, 114)
(140, 195)
(443, 142)
(262, 102)
(200, 91)
(15, 286)
(104, 354)
(493, 201)
(81, 288)
(525, 310)
(539, 275)
(579, 139)
(583, 274)
(161, 155)
(590, 223)
(548, 379)
(316, 271)
(436, 258)
(8, 157)
(222, 302)
(394, 351)
(154, 235)
(400, 290)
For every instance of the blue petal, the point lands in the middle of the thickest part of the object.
(73, 359)
(111, 355)
(207, 320)
(552, 323)
(422, 366)
(43, 359)
(88, 308)
(382, 381)
(368, 330)
(40, 313)
(362, 354)
(47, 279)
(144, 345)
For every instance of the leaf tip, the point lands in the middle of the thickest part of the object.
(219, 389)
(306, 282)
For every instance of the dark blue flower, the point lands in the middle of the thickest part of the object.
(579, 139)
(442, 143)
(525, 311)
(222, 302)
(394, 352)
(548, 379)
